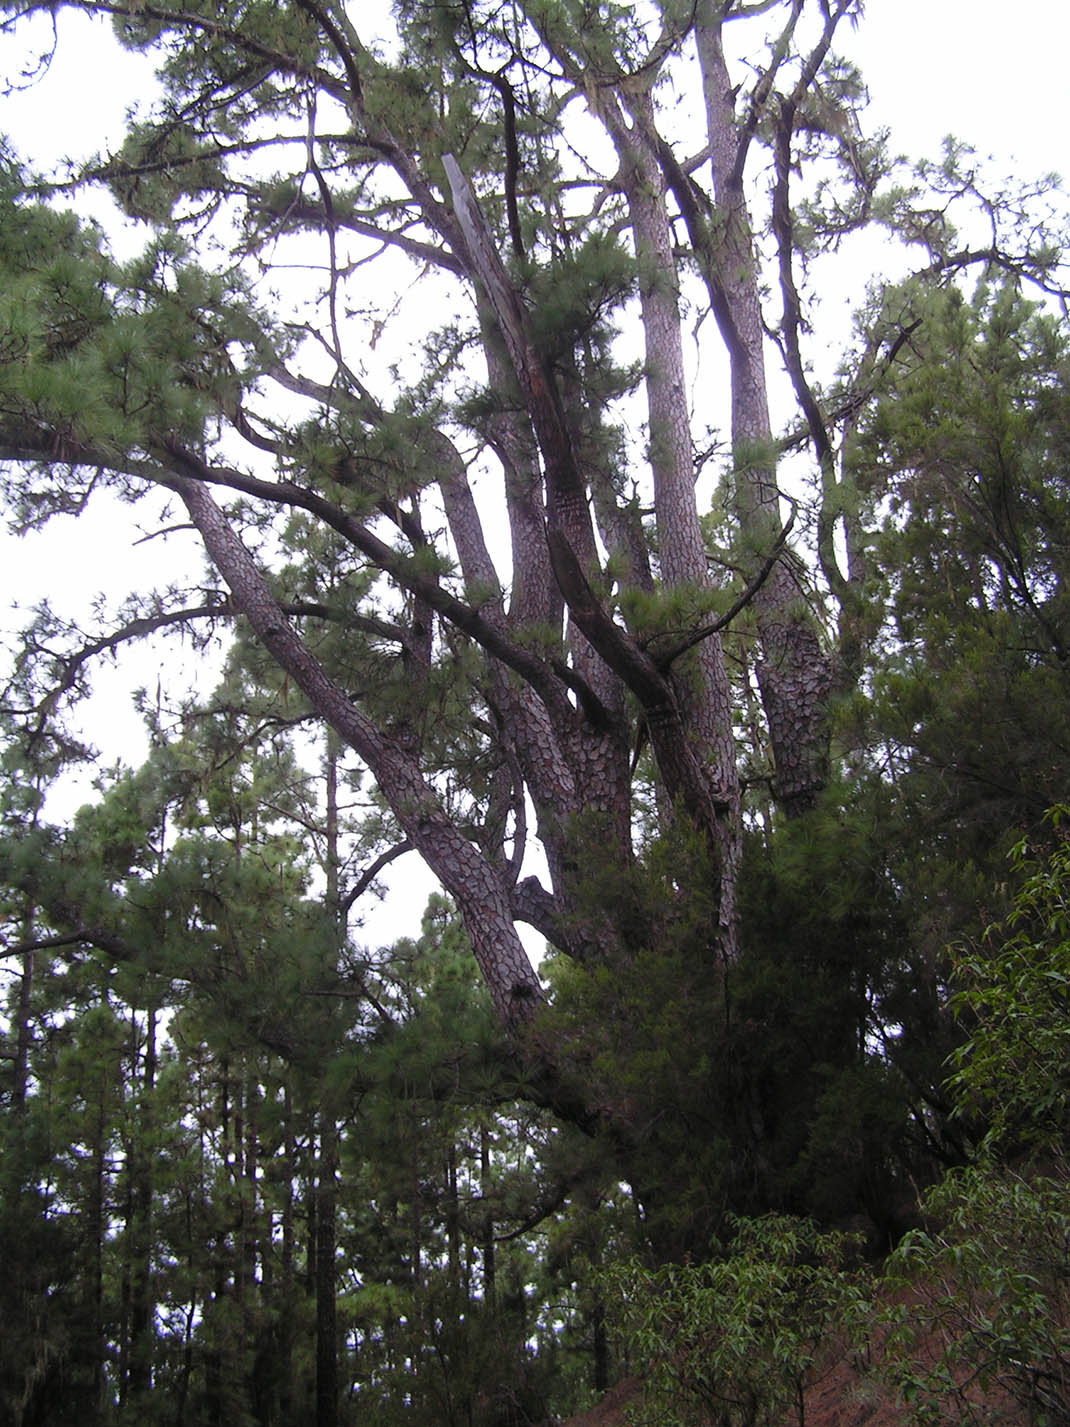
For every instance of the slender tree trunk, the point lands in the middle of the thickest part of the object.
(246, 1153)
(453, 1224)
(487, 1221)
(95, 1232)
(287, 1286)
(185, 1377)
(254, 1362)
(23, 1024)
(138, 1377)
(326, 1275)
(599, 1348)
(327, 1167)
(218, 1357)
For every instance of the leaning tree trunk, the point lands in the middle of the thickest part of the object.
(460, 867)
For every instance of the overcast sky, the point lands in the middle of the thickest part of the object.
(991, 73)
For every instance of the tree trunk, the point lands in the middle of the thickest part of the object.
(487, 1217)
(23, 1021)
(459, 866)
(326, 1275)
(700, 676)
(286, 1290)
(138, 1378)
(794, 675)
(95, 1234)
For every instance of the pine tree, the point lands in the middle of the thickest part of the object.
(518, 178)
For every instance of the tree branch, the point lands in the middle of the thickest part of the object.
(665, 658)
(465, 873)
(368, 876)
(426, 586)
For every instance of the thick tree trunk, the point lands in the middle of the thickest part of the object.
(794, 675)
(700, 676)
(573, 552)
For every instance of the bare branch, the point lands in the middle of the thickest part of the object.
(369, 874)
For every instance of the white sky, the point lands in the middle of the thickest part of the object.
(991, 73)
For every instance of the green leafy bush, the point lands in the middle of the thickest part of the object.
(735, 1342)
(981, 1330)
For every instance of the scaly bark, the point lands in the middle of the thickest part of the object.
(460, 867)
(794, 675)
(701, 679)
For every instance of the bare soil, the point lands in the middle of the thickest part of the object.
(840, 1398)
(840, 1395)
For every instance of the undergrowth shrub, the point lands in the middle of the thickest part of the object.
(980, 1332)
(736, 1342)
(981, 1329)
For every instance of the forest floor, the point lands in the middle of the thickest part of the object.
(839, 1398)
(840, 1394)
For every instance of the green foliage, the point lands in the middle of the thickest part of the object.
(837, 1099)
(736, 1341)
(156, 166)
(963, 452)
(765, 1083)
(653, 1030)
(171, 1200)
(985, 1305)
(861, 1145)
(114, 357)
(44, 1371)
(574, 299)
(324, 1117)
(1013, 994)
(984, 1317)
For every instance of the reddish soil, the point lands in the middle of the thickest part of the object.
(838, 1399)
(610, 1411)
